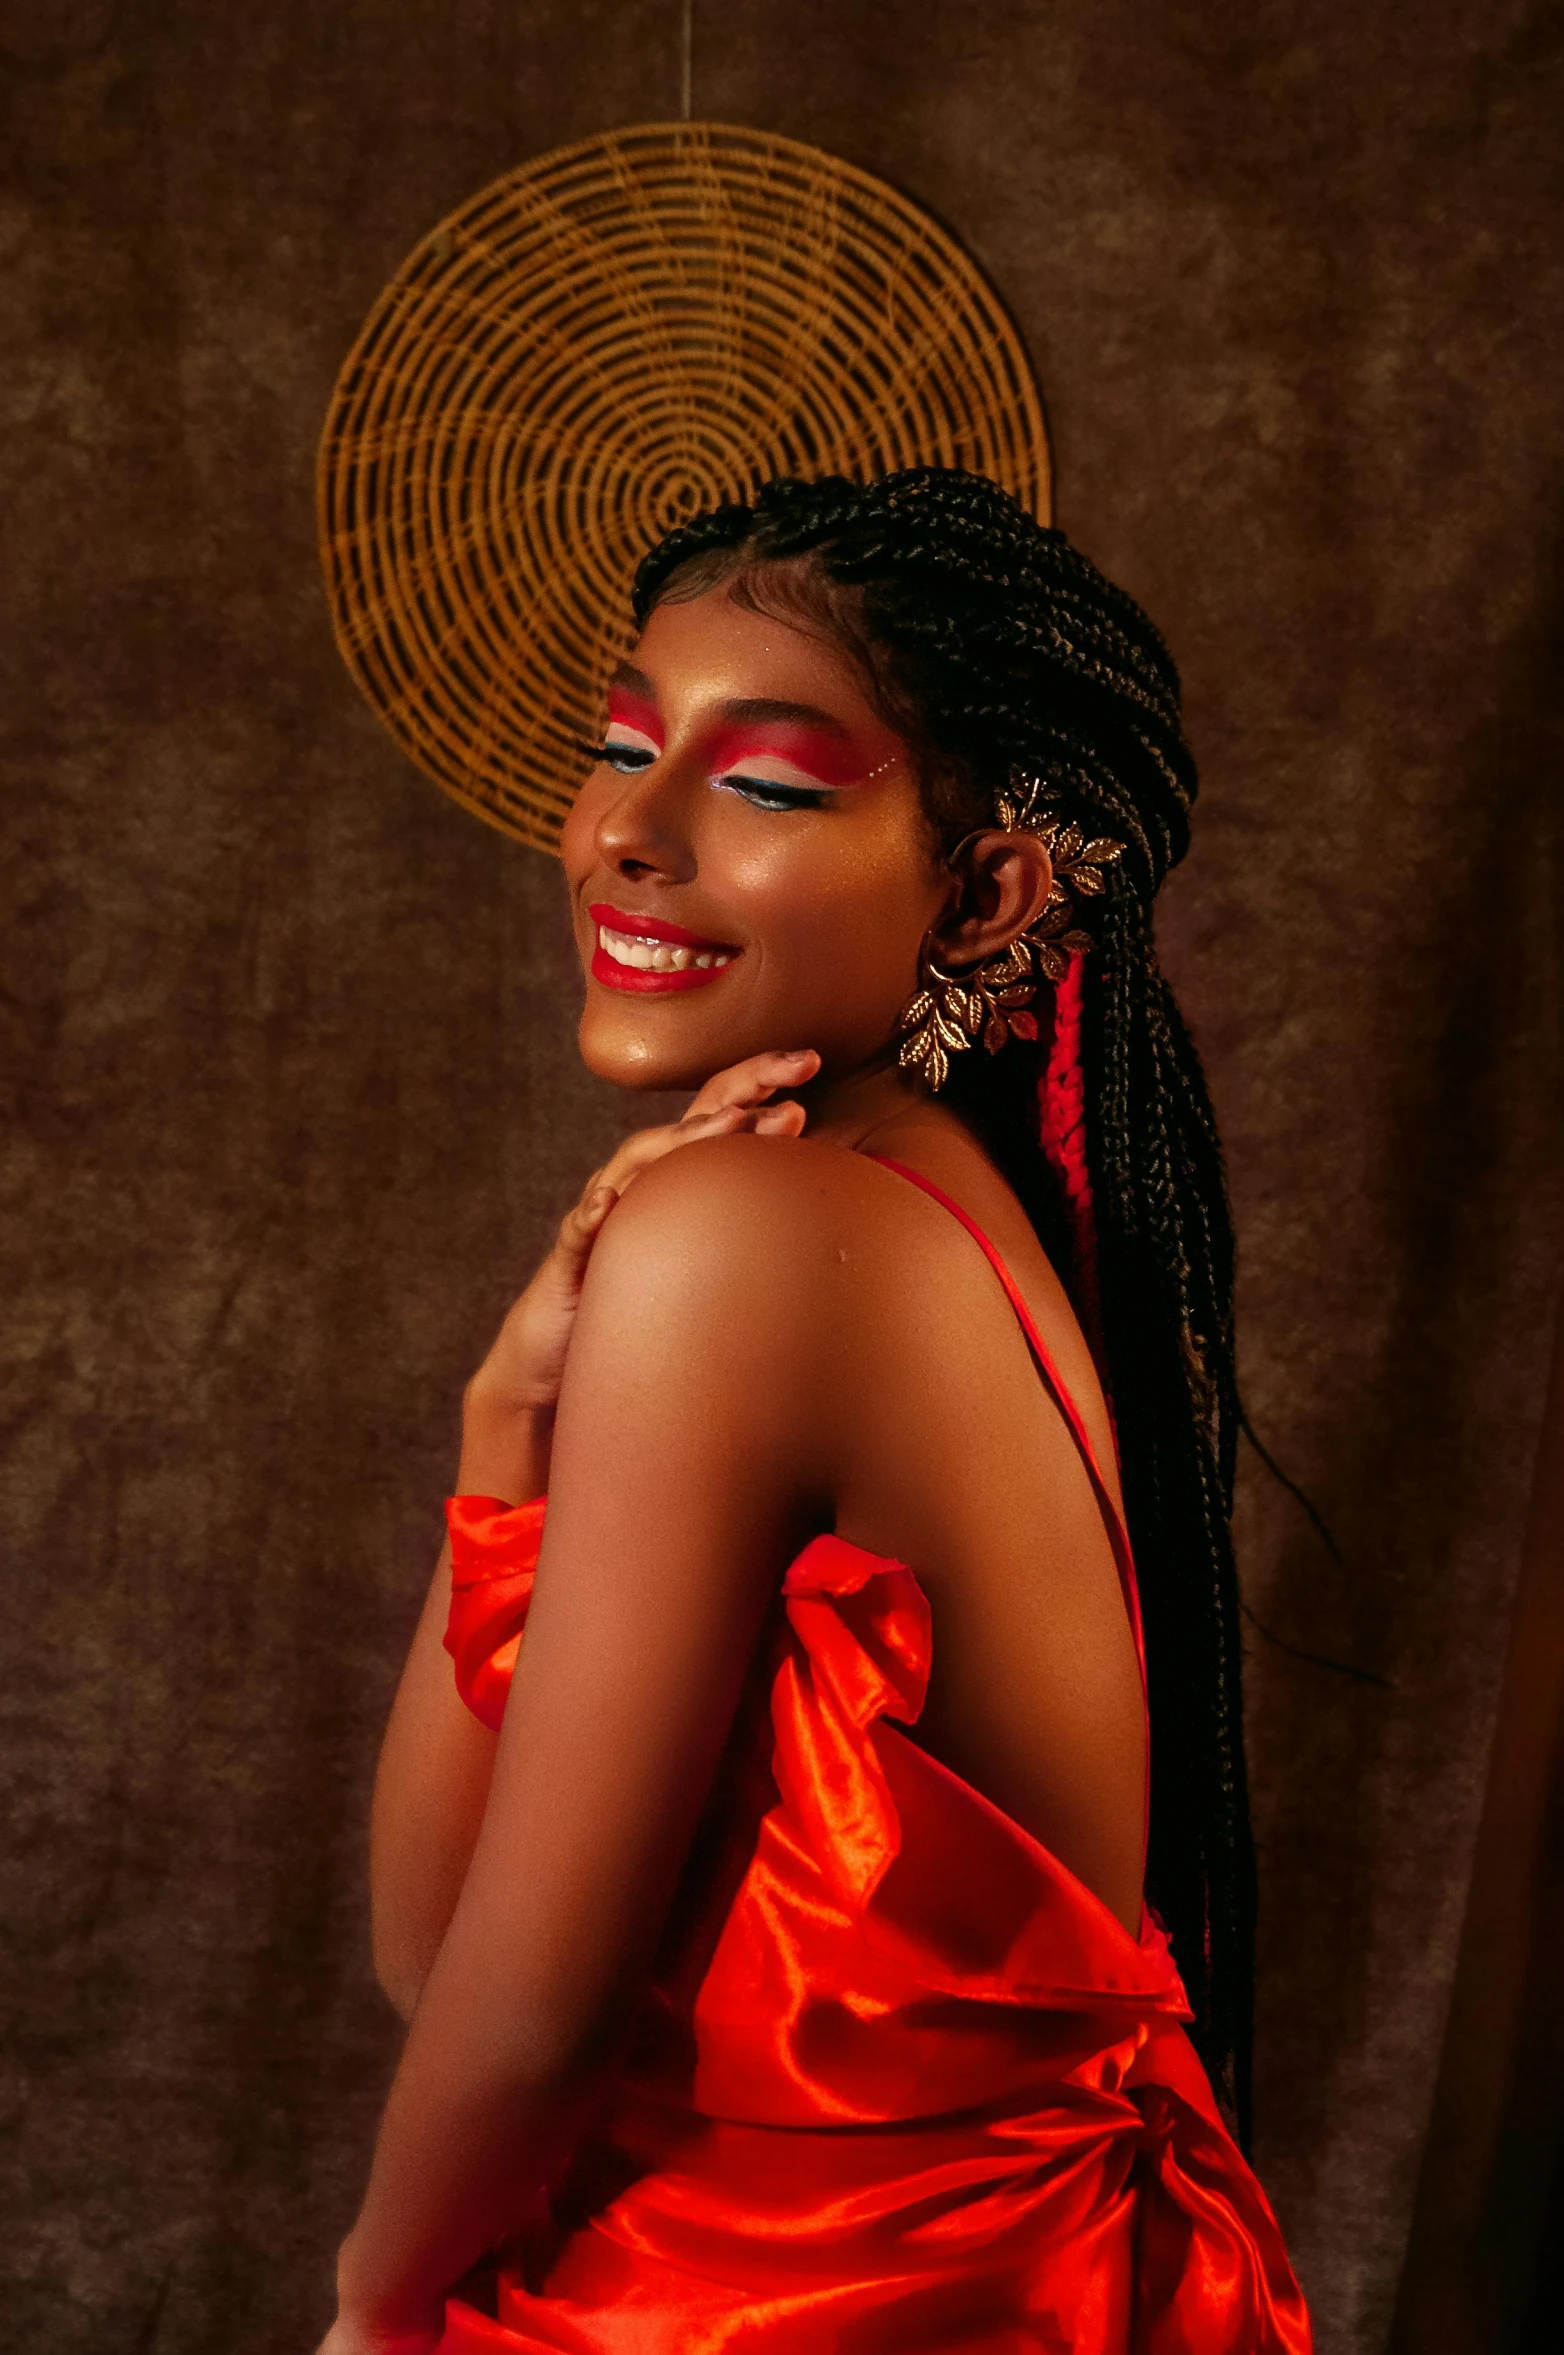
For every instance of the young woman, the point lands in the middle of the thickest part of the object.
(772, 1917)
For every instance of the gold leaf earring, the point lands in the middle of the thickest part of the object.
(949, 1012)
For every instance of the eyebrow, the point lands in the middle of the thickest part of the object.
(751, 709)
(759, 709)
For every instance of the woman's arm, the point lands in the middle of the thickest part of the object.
(432, 1783)
(691, 1439)
(433, 1779)
(431, 1787)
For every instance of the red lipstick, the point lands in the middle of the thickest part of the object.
(703, 960)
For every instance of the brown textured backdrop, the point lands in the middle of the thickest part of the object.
(288, 1054)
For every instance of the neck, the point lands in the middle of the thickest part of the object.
(864, 1107)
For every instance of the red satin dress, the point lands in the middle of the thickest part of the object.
(904, 2086)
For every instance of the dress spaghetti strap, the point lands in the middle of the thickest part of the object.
(1053, 1383)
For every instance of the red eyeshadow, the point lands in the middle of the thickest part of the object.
(633, 711)
(819, 752)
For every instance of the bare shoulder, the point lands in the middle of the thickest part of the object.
(771, 1254)
(730, 1317)
(794, 1214)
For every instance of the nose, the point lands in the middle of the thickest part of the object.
(641, 832)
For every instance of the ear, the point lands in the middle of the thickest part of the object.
(1002, 885)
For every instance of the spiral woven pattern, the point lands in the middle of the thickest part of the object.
(589, 351)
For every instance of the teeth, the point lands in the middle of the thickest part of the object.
(655, 956)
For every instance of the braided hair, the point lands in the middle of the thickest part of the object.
(989, 642)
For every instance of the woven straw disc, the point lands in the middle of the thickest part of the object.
(587, 352)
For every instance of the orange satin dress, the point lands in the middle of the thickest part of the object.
(903, 2085)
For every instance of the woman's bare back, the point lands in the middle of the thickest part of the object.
(854, 1363)
(957, 1461)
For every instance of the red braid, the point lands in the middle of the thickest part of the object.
(1061, 1105)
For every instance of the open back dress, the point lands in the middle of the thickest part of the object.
(902, 2084)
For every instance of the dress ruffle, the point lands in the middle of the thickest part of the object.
(494, 1558)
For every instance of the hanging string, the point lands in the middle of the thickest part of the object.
(686, 57)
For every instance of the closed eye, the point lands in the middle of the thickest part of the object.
(626, 759)
(764, 793)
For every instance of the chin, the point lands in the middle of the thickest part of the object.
(651, 1048)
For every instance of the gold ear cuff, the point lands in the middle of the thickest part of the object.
(949, 1012)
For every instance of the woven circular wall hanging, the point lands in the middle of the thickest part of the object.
(601, 343)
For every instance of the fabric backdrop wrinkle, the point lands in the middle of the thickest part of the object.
(288, 1048)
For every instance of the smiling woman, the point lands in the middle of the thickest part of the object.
(768, 1885)
(748, 781)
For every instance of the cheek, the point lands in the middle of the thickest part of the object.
(847, 914)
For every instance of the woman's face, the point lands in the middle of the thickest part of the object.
(749, 863)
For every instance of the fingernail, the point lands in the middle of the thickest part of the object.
(798, 1055)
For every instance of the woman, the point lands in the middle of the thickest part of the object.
(776, 1954)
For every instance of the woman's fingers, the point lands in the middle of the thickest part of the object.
(579, 1227)
(731, 1100)
(779, 1120)
(638, 1152)
(756, 1078)
(649, 1145)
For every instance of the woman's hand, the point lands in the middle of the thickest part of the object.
(515, 1389)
